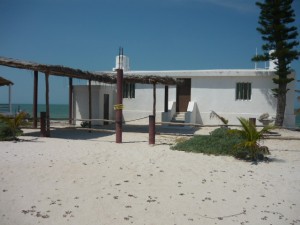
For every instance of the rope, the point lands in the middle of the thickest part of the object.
(136, 119)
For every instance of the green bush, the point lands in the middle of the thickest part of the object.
(10, 126)
(219, 142)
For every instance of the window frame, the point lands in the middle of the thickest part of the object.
(243, 91)
(129, 90)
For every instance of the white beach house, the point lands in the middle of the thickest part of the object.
(231, 93)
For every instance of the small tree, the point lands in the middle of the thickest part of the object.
(213, 114)
(275, 19)
(251, 137)
(11, 128)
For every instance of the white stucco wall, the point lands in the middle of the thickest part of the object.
(210, 90)
(218, 94)
(81, 102)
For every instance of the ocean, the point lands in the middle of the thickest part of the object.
(56, 110)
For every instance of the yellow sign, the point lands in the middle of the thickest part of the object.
(118, 106)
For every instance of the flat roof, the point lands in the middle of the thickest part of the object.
(206, 73)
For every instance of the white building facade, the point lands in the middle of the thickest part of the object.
(230, 93)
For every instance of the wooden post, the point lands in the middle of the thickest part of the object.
(119, 113)
(166, 98)
(70, 100)
(9, 99)
(151, 130)
(154, 100)
(47, 106)
(35, 99)
(152, 119)
(43, 124)
(253, 121)
(90, 105)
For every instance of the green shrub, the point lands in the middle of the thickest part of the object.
(10, 126)
(219, 142)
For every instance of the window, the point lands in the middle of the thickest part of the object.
(128, 90)
(243, 91)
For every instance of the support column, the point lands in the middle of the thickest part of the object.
(166, 98)
(70, 100)
(119, 113)
(90, 105)
(9, 99)
(35, 99)
(151, 130)
(47, 106)
(154, 100)
(152, 119)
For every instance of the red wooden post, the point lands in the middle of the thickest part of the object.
(152, 119)
(90, 105)
(47, 106)
(35, 99)
(151, 130)
(70, 100)
(119, 112)
(43, 124)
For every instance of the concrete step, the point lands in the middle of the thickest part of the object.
(178, 118)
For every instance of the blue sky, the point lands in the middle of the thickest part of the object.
(155, 34)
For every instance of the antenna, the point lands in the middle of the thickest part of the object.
(119, 58)
(121, 53)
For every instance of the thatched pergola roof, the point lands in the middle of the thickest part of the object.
(105, 77)
(4, 82)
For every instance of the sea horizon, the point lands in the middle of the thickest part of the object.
(60, 111)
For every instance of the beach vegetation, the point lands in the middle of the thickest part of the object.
(10, 127)
(250, 139)
(213, 114)
(240, 143)
(84, 124)
(218, 142)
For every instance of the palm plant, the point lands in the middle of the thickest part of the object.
(11, 128)
(251, 137)
(213, 114)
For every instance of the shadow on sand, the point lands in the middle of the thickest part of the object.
(109, 130)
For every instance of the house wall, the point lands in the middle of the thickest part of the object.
(211, 92)
(218, 94)
(142, 105)
(81, 102)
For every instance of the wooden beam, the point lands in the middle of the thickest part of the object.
(35, 99)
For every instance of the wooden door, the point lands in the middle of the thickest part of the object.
(106, 108)
(183, 94)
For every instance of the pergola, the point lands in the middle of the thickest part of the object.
(104, 77)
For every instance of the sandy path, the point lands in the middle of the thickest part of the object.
(92, 180)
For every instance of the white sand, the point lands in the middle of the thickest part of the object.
(88, 180)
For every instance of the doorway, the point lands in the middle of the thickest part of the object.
(183, 94)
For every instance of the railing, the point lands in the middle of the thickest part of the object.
(167, 116)
(5, 108)
(191, 113)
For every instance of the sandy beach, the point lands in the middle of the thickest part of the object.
(81, 178)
